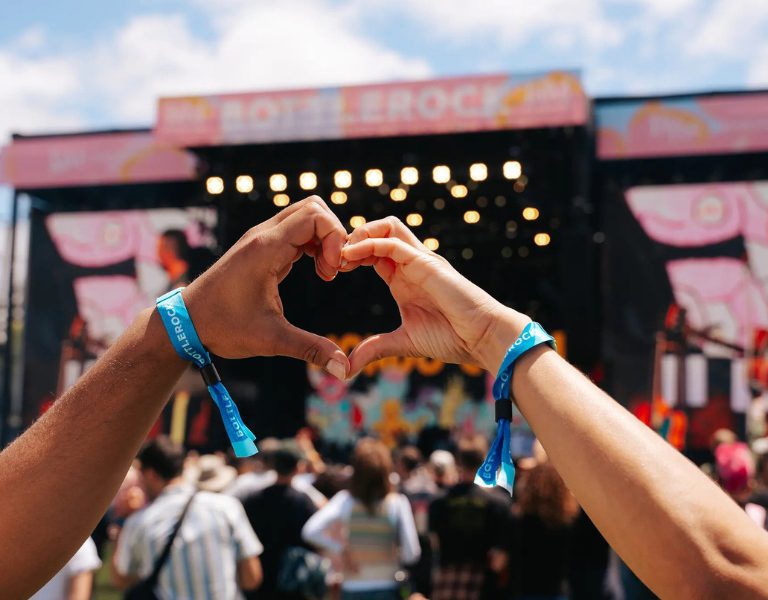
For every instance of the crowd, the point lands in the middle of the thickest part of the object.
(286, 524)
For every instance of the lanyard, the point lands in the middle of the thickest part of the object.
(498, 468)
(188, 346)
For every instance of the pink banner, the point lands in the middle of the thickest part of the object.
(683, 126)
(479, 103)
(93, 159)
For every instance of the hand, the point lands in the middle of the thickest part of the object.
(443, 315)
(236, 306)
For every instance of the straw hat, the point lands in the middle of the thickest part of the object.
(214, 474)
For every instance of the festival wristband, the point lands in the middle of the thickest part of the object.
(498, 468)
(188, 346)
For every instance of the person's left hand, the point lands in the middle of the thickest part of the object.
(236, 306)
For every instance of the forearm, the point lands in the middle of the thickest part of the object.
(58, 478)
(672, 525)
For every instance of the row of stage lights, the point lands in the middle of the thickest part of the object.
(441, 174)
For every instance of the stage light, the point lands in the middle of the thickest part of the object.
(541, 239)
(398, 194)
(506, 252)
(478, 172)
(512, 169)
(214, 185)
(439, 204)
(523, 251)
(342, 179)
(500, 201)
(432, 244)
(471, 216)
(338, 197)
(409, 175)
(374, 177)
(308, 181)
(441, 174)
(281, 200)
(414, 219)
(467, 253)
(244, 184)
(530, 213)
(459, 191)
(357, 221)
(278, 182)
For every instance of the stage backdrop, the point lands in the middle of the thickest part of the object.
(704, 248)
(90, 274)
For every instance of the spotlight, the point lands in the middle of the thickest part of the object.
(439, 204)
(398, 194)
(478, 172)
(278, 182)
(357, 221)
(214, 185)
(459, 191)
(541, 239)
(441, 174)
(281, 200)
(342, 179)
(432, 244)
(512, 169)
(467, 253)
(471, 216)
(414, 219)
(308, 181)
(244, 184)
(530, 213)
(374, 177)
(409, 175)
(338, 197)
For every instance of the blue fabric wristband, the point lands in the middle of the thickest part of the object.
(188, 346)
(498, 468)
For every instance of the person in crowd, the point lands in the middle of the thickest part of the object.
(443, 466)
(278, 514)
(75, 580)
(211, 473)
(543, 532)
(252, 481)
(471, 529)
(735, 471)
(670, 523)
(215, 550)
(380, 531)
(173, 254)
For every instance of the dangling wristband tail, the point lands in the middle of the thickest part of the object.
(498, 468)
(188, 346)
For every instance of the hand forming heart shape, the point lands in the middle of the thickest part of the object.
(237, 309)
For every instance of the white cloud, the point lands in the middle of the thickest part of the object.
(731, 29)
(758, 72)
(257, 45)
(557, 23)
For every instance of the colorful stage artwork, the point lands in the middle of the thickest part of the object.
(713, 242)
(395, 399)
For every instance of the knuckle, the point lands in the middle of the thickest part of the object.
(311, 353)
(394, 222)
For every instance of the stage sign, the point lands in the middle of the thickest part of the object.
(93, 159)
(480, 103)
(723, 124)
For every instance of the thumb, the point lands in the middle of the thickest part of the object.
(381, 345)
(312, 348)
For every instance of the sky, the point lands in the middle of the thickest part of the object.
(93, 64)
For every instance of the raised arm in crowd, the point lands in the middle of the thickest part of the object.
(674, 527)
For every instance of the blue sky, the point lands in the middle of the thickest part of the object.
(94, 64)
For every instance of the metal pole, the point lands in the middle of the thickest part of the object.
(5, 406)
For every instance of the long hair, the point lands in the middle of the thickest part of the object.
(546, 496)
(371, 467)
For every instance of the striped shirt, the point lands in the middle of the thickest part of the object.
(213, 538)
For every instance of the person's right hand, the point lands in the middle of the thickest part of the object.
(235, 305)
(444, 316)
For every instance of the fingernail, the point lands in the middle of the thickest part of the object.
(335, 368)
